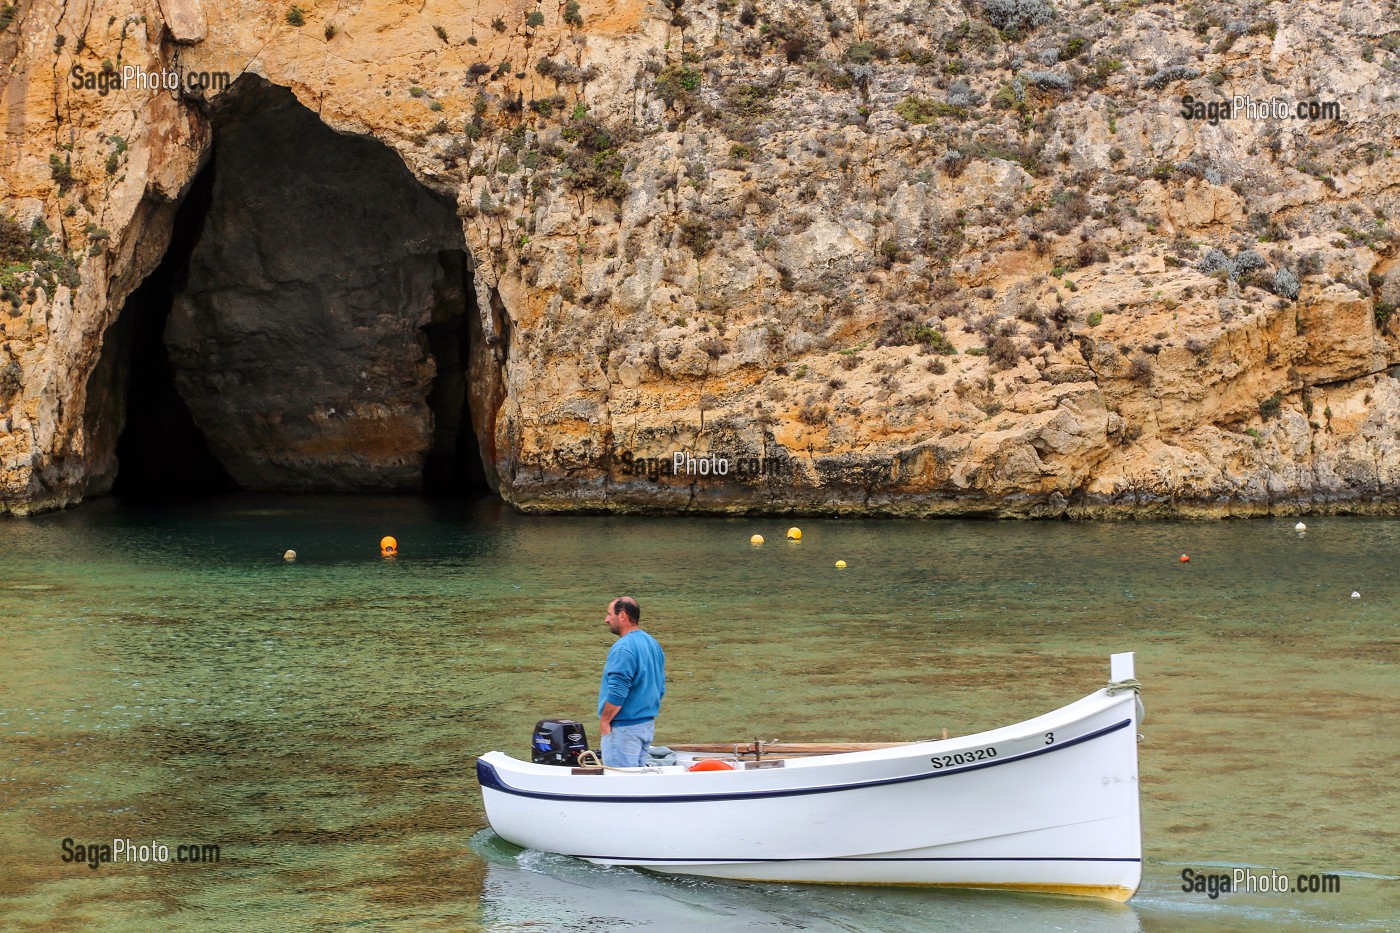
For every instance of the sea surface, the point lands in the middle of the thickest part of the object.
(167, 678)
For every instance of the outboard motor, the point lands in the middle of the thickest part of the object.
(558, 742)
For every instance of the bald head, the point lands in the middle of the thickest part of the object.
(624, 615)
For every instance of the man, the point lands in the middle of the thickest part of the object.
(634, 681)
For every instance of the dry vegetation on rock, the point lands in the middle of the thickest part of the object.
(944, 257)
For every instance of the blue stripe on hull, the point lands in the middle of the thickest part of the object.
(488, 778)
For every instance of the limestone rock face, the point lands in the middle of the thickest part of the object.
(185, 19)
(850, 257)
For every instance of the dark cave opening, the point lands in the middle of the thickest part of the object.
(309, 328)
(161, 451)
(454, 461)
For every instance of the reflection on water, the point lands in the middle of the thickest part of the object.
(527, 890)
(167, 676)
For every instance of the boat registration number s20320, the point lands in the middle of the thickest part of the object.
(963, 758)
(972, 756)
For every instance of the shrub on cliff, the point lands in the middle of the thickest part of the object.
(1049, 80)
(863, 53)
(28, 259)
(1286, 285)
(15, 245)
(697, 235)
(564, 73)
(920, 110)
(1017, 17)
(61, 170)
(1244, 263)
(1003, 353)
(1164, 76)
(904, 331)
(747, 103)
(594, 164)
(676, 85)
(1247, 261)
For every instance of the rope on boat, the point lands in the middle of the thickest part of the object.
(1118, 686)
(598, 759)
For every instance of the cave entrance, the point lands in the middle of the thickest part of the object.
(310, 327)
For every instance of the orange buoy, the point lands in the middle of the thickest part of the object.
(711, 764)
(1185, 559)
(388, 546)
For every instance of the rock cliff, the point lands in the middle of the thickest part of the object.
(1003, 257)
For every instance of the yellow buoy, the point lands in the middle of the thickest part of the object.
(756, 539)
(290, 555)
(840, 565)
(388, 546)
(794, 534)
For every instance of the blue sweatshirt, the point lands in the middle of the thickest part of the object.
(634, 678)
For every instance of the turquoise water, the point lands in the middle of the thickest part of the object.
(166, 677)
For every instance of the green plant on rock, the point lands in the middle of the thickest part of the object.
(1015, 18)
(28, 260)
(861, 53)
(677, 84)
(296, 16)
(61, 170)
(697, 235)
(1005, 98)
(16, 247)
(921, 110)
(595, 162)
(750, 101)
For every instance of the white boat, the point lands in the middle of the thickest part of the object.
(1049, 805)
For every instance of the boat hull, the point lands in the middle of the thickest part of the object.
(1050, 804)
